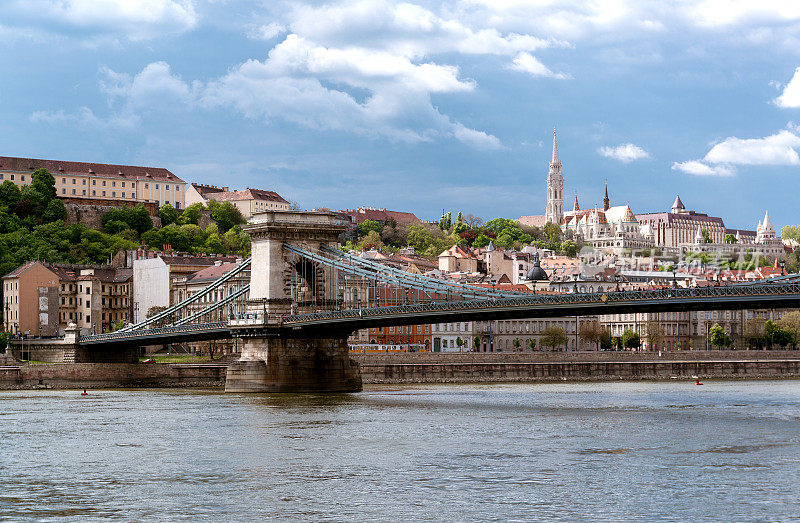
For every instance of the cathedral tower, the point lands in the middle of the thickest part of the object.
(555, 188)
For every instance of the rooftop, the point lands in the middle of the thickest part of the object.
(56, 167)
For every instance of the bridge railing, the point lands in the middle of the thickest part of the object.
(553, 299)
(197, 327)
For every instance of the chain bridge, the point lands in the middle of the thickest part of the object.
(306, 297)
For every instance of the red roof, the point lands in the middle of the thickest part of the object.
(56, 167)
(212, 273)
(247, 194)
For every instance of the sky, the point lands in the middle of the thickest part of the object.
(421, 106)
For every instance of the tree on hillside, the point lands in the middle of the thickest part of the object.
(225, 214)
(730, 238)
(44, 183)
(706, 236)
(168, 214)
(791, 232)
(191, 214)
(552, 232)
(9, 194)
(364, 227)
(553, 336)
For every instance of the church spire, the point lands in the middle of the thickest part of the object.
(554, 160)
(606, 201)
(575, 206)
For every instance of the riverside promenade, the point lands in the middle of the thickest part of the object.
(397, 368)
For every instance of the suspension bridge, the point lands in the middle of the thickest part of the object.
(306, 296)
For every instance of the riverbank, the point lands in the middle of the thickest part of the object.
(398, 368)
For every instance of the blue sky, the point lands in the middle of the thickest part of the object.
(419, 105)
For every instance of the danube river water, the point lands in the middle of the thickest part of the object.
(668, 451)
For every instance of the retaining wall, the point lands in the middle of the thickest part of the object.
(111, 375)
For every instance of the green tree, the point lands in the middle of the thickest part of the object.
(552, 231)
(789, 232)
(606, 342)
(168, 214)
(459, 342)
(10, 194)
(55, 210)
(553, 336)
(44, 183)
(214, 244)
(706, 236)
(790, 324)
(225, 214)
(517, 344)
(718, 337)
(139, 219)
(730, 238)
(631, 339)
(532, 344)
(364, 227)
(753, 333)
(569, 248)
(191, 214)
(481, 240)
(446, 221)
(476, 343)
(775, 336)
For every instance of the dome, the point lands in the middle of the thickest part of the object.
(536, 273)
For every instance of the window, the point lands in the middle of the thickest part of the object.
(23, 177)
(104, 193)
(133, 184)
(12, 177)
(84, 182)
(156, 186)
(166, 187)
(73, 191)
(88, 319)
(63, 180)
(74, 181)
(113, 184)
(94, 193)
(123, 195)
(84, 192)
(104, 183)
(63, 191)
(113, 194)
(94, 182)
(147, 186)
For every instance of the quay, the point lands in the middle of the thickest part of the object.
(409, 368)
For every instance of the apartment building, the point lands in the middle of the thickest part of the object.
(248, 201)
(41, 299)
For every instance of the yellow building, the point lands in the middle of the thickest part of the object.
(82, 181)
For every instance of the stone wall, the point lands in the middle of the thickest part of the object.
(111, 375)
(465, 368)
(91, 215)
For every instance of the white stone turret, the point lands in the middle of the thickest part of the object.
(765, 232)
(555, 188)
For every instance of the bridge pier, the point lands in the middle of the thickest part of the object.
(306, 364)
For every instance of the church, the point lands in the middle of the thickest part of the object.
(618, 228)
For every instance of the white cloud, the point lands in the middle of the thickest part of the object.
(699, 168)
(138, 19)
(790, 97)
(153, 87)
(527, 63)
(625, 153)
(780, 148)
(266, 32)
(776, 149)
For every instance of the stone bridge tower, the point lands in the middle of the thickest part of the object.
(274, 360)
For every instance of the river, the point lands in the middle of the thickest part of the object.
(667, 451)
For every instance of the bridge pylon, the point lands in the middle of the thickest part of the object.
(282, 284)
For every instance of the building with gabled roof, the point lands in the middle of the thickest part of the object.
(101, 183)
(249, 201)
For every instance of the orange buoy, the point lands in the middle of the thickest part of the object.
(84, 393)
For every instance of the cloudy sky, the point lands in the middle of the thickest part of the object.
(420, 105)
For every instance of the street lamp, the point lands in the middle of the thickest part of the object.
(782, 264)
